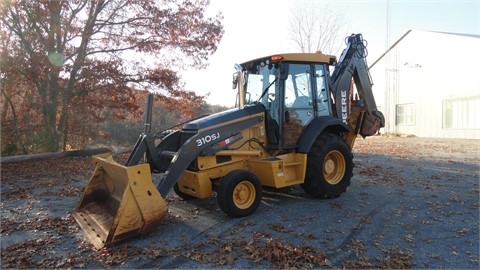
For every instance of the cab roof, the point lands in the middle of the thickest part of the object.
(296, 57)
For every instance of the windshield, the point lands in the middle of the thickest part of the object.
(257, 80)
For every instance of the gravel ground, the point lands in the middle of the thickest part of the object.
(413, 203)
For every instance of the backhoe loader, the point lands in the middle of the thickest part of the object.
(294, 123)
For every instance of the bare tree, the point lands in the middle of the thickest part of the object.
(315, 26)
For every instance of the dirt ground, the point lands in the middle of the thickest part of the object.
(413, 203)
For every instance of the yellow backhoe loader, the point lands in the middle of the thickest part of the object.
(294, 123)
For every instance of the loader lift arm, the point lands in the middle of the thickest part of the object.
(190, 150)
(361, 115)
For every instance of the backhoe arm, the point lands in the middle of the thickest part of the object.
(361, 113)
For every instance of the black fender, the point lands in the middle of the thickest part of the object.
(316, 127)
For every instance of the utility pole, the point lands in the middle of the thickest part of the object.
(388, 106)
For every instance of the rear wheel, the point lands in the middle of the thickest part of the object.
(239, 193)
(329, 167)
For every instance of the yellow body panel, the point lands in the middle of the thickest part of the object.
(119, 202)
(195, 184)
(281, 171)
(199, 184)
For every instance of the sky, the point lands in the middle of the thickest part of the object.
(256, 28)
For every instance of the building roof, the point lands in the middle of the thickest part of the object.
(409, 31)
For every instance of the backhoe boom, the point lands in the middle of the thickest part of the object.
(361, 115)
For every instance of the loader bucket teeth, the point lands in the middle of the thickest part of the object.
(119, 202)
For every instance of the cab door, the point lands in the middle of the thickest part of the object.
(298, 99)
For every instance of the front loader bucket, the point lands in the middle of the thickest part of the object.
(119, 202)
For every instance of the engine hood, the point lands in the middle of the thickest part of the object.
(223, 117)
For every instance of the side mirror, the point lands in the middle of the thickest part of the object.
(238, 82)
(238, 68)
(235, 80)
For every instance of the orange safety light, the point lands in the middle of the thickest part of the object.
(276, 58)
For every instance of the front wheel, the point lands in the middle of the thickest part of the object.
(329, 167)
(239, 193)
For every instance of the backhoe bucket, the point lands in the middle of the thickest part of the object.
(119, 202)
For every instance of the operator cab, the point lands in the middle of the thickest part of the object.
(294, 90)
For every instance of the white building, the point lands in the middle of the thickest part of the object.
(428, 84)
